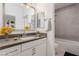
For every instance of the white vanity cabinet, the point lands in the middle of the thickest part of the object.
(39, 50)
(35, 48)
(27, 52)
(10, 51)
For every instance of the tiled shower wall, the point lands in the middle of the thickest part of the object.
(67, 23)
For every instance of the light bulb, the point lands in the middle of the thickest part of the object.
(27, 6)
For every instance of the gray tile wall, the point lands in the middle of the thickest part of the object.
(67, 23)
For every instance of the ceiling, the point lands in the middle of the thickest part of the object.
(61, 5)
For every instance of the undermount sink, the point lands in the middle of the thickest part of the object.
(8, 40)
(29, 38)
(17, 39)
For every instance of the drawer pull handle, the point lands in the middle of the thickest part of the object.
(33, 51)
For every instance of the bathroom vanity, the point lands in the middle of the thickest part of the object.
(18, 16)
(24, 46)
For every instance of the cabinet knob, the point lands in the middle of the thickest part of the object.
(33, 51)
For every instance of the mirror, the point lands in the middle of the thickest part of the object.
(18, 15)
(43, 23)
(41, 20)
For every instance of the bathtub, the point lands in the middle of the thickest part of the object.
(67, 45)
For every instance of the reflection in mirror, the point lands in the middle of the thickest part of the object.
(41, 20)
(19, 16)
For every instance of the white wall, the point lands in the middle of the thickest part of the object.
(50, 34)
(1, 15)
(49, 13)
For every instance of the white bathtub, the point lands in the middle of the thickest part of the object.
(68, 45)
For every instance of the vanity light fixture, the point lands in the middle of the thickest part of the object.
(27, 5)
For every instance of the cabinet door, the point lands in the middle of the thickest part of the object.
(10, 51)
(25, 46)
(35, 48)
(39, 50)
(27, 52)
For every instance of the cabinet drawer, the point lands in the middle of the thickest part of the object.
(32, 44)
(10, 51)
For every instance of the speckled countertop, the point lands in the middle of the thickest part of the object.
(20, 40)
(8, 41)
